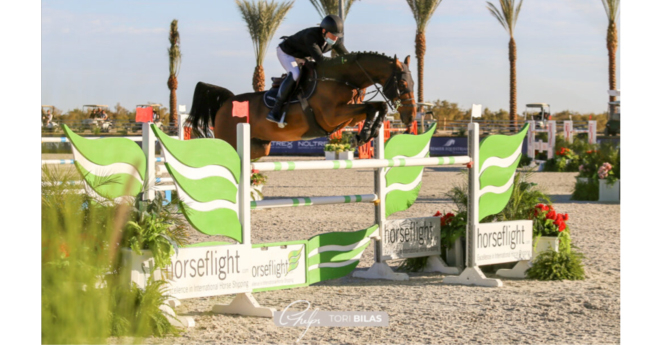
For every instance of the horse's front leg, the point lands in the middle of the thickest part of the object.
(381, 108)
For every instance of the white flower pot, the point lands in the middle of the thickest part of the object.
(582, 179)
(346, 155)
(330, 155)
(544, 243)
(609, 193)
(256, 192)
(519, 271)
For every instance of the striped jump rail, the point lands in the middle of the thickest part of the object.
(359, 164)
(312, 201)
(66, 140)
(71, 161)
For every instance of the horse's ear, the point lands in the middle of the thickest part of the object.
(407, 60)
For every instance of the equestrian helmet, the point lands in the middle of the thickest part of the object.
(333, 24)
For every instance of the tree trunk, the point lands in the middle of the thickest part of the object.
(420, 50)
(612, 46)
(173, 84)
(259, 79)
(513, 114)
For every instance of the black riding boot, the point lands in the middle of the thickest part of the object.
(286, 87)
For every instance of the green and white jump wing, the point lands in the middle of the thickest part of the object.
(336, 254)
(404, 183)
(498, 159)
(206, 173)
(112, 168)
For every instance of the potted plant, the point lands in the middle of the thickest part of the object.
(608, 184)
(344, 152)
(257, 181)
(330, 151)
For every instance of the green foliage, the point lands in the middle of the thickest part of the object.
(562, 265)
(585, 191)
(84, 295)
(524, 197)
(262, 19)
(328, 7)
(154, 227)
(525, 161)
(423, 11)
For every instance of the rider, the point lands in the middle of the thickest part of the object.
(311, 42)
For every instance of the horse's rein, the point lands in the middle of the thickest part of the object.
(387, 100)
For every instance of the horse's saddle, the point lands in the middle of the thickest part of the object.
(304, 88)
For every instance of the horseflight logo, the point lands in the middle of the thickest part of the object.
(294, 257)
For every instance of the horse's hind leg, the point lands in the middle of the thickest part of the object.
(259, 148)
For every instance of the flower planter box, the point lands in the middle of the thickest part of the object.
(330, 155)
(541, 244)
(256, 192)
(583, 179)
(609, 193)
(346, 155)
(544, 243)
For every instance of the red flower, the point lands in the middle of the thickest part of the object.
(562, 226)
(446, 219)
(551, 215)
(437, 214)
(565, 216)
(64, 249)
(255, 171)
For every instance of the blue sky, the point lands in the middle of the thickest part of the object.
(116, 51)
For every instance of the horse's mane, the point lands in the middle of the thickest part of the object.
(350, 57)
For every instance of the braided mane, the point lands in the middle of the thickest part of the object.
(351, 57)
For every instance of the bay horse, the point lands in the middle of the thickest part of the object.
(332, 107)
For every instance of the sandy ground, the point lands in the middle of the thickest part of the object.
(423, 310)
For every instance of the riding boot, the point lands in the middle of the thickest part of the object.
(286, 87)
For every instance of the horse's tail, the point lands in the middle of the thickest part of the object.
(207, 99)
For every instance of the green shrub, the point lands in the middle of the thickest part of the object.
(562, 265)
(586, 191)
(84, 295)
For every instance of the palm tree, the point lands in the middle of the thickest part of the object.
(508, 18)
(174, 54)
(262, 19)
(612, 11)
(422, 10)
(328, 7)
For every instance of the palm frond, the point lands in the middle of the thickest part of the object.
(508, 15)
(611, 9)
(173, 51)
(262, 19)
(328, 7)
(423, 11)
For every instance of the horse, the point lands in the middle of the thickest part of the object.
(330, 107)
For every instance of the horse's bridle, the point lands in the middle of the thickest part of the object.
(391, 88)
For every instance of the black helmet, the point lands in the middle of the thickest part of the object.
(333, 24)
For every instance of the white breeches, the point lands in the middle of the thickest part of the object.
(289, 63)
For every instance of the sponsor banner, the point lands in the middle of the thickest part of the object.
(278, 266)
(450, 146)
(503, 242)
(411, 238)
(312, 147)
(209, 271)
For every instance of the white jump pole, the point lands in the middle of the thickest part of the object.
(380, 269)
(244, 303)
(472, 274)
(149, 149)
